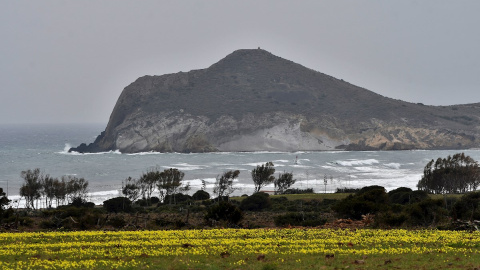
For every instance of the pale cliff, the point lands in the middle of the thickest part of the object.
(253, 100)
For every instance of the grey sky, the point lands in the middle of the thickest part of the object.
(68, 61)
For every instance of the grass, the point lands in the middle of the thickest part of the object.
(306, 196)
(337, 196)
(242, 249)
(441, 196)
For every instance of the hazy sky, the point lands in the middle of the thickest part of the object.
(68, 61)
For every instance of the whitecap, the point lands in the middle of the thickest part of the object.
(301, 166)
(75, 153)
(393, 165)
(144, 153)
(356, 162)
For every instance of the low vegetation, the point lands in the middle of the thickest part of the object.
(305, 222)
(242, 249)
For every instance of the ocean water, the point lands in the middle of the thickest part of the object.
(24, 147)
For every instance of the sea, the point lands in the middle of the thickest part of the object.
(45, 146)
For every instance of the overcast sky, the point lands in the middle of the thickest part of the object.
(68, 61)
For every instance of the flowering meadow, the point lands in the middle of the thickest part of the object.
(242, 249)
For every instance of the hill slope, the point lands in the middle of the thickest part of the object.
(253, 100)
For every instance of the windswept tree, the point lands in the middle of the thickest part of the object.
(455, 174)
(48, 191)
(224, 184)
(283, 182)
(131, 190)
(31, 189)
(147, 183)
(170, 181)
(60, 191)
(76, 188)
(262, 175)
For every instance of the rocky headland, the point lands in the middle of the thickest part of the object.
(253, 100)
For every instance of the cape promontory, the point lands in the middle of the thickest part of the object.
(253, 100)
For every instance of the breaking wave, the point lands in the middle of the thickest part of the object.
(356, 162)
(73, 153)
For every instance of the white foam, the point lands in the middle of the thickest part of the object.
(145, 153)
(187, 167)
(67, 147)
(393, 165)
(301, 166)
(255, 164)
(356, 162)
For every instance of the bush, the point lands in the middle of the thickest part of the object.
(65, 211)
(298, 191)
(400, 190)
(80, 202)
(147, 202)
(201, 195)
(256, 202)
(299, 219)
(224, 211)
(426, 213)
(154, 200)
(468, 207)
(117, 222)
(369, 200)
(391, 219)
(406, 196)
(370, 188)
(118, 204)
(347, 190)
(177, 198)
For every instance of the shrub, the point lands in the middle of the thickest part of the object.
(347, 190)
(299, 219)
(65, 211)
(369, 200)
(400, 190)
(81, 202)
(370, 188)
(426, 213)
(147, 202)
(154, 200)
(391, 219)
(117, 222)
(298, 191)
(256, 202)
(406, 196)
(201, 195)
(468, 207)
(118, 204)
(177, 198)
(224, 211)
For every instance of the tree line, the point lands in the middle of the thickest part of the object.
(170, 182)
(454, 174)
(38, 185)
(41, 187)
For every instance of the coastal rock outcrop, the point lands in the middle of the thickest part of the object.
(253, 100)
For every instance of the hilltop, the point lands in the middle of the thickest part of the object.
(252, 100)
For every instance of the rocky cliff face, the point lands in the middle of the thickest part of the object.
(254, 101)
